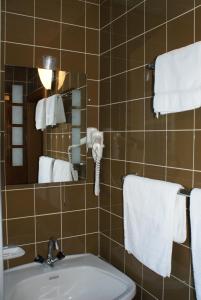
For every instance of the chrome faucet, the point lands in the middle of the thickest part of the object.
(51, 258)
(52, 246)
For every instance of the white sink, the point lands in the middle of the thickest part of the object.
(77, 277)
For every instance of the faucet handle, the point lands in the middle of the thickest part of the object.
(60, 255)
(40, 259)
(56, 244)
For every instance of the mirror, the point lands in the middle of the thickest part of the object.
(32, 154)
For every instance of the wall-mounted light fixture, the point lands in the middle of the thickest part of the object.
(61, 78)
(46, 73)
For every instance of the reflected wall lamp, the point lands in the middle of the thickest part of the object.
(46, 73)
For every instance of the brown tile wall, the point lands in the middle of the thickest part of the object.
(56, 141)
(68, 30)
(132, 34)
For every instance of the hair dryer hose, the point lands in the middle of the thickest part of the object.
(97, 178)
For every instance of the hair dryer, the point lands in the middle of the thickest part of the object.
(97, 152)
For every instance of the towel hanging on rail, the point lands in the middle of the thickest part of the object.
(178, 80)
(40, 114)
(195, 219)
(182, 192)
(154, 217)
(55, 113)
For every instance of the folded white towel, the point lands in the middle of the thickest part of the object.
(45, 172)
(62, 171)
(180, 231)
(178, 80)
(60, 113)
(40, 114)
(76, 98)
(55, 111)
(150, 213)
(195, 217)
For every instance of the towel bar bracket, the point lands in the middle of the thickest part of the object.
(151, 67)
(184, 192)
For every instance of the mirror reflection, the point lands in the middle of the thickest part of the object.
(45, 122)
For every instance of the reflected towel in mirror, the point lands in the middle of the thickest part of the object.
(62, 171)
(55, 111)
(45, 172)
(40, 114)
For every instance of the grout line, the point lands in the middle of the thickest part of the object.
(126, 122)
(182, 281)
(74, 236)
(99, 47)
(109, 211)
(121, 102)
(85, 68)
(151, 164)
(35, 237)
(51, 214)
(52, 48)
(143, 289)
(166, 117)
(6, 209)
(85, 34)
(194, 125)
(123, 72)
(64, 238)
(194, 112)
(144, 135)
(112, 239)
(85, 216)
(60, 35)
(89, 2)
(144, 100)
(41, 187)
(110, 195)
(34, 36)
(153, 130)
(5, 35)
(114, 187)
(48, 20)
(62, 198)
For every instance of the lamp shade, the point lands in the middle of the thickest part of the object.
(46, 77)
(61, 78)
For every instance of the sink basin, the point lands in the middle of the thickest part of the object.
(77, 277)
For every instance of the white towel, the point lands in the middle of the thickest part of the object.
(180, 232)
(150, 213)
(40, 114)
(55, 111)
(178, 80)
(76, 98)
(195, 217)
(45, 172)
(62, 171)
